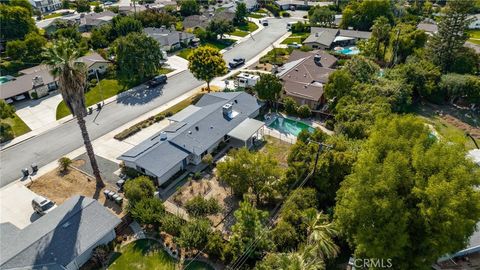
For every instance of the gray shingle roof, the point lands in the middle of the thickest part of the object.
(196, 132)
(58, 237)
(167, 37)
(326, 36)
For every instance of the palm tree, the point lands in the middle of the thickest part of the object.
(320, 233)
(61, 58)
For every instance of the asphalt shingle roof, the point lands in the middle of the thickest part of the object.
(58, 237)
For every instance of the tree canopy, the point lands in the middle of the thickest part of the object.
(408, 212)
(322, 16)
(15, 22)
(139, 188)
(189, 7)
(361, 15)
(268, 87)
(206, 63)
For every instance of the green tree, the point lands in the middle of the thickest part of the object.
(152, 18)
(124, 25)
(240, 14)
(363, 69)
(97, 9)
(321, 233)
(62, 57)
(249, 228)
(467, 60)
(208, 159)
(381, 35)
(148, 210)
(171, 224)
(16, 49)
(139, 188)
(304, 111)
(220, 27)
(451, 35)
(405, 39)
(322, 16)
(290, 106)
(82, 6)
(361, 15)
(6, 110)
(421, 74)
(35, 44)
(250, 171)
(101, 37)
(22, 3)
(64, 163)
(408, 213)
(198, 206)
(15, 22)
(194, 234)
(137, 63)
(340, 83)
(206, 63)
(453, 86)
(69, 32)
(215, 245)
(268, 88)
(189, 7)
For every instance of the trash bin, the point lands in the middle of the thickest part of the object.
(34, 167)
(110, 194)
(119, 200)
(120, 183)
(25, 172)
(99, 106)
(90, 110)
(105, 192)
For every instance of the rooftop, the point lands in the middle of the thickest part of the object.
(167, 37)
(57, 238)
(326, 36)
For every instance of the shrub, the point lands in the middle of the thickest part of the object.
(290, 105)
(63, 164)
(197, 175)
(201, 207)
(330, 124)
(139, 188)
(148, 210)
(171, 224)
(129, 172)
(6, 132)
(304, 111)
(208, 159)
(127, 132)
(34, 95)
(168, 114)
(285, 14)
(93, 82)
(159, 117)
(100, 255)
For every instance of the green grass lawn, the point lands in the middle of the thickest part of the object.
(249, 27)
(18, 126)
(256, 15)
(147, 254)
(219, 44)
(165, 70)
(103, 90)
(474, 36)
(264, 11)
(239, 33)
(52, 15)
(299, 38)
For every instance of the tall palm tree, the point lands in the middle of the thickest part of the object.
(320, 233)
(62, 59)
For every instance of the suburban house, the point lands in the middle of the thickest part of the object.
(475, 22)
(130, 9)
(326, 38)
(195, 21)
(61, 239)
(305, 75)
(429, 26)
(89, 21)
(36, 82)
(169, 39)
(46, 6)
(195, 132)
(299, 4)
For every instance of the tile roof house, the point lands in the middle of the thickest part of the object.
(326, 38)
(194, 132)
(61, 239)
(304, 76)
(169, 39)
(38, 79)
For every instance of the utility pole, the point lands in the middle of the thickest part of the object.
(320, 149)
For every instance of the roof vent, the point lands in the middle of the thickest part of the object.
(196, 128)
(211, 127)
(227, 109)
(189, 132)
(236, 101)
(163, 136)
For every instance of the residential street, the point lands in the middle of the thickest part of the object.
(55, 143)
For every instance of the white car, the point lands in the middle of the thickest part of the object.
(294, 45)
(42, 205)
(19, 97)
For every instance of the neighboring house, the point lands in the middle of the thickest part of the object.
(429, 26)
(169, 39)
(195, 132)
(195, 21)
(46, 6)
(326, 38)
(62, 239)
(37, 81)
(475, 22)
(130, 9)
(299, 4)
(305, 75)
(92, 20)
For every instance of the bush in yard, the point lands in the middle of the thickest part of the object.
(290, 105)
(63, 164)
(208, 159)
(6, 132)
(168, 114)
(197, 176)
(215, 245)
(304, 111)
(171, 224)
(100, 255)
(159, 117)
(139, 188)
(201, 207)
(194, 234)
(148, 211)
(285, 14)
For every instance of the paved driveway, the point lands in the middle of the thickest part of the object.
(38, 113)
(16, 203)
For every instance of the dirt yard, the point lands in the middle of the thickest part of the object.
(58, 187)
(277, 148)
(208, 187)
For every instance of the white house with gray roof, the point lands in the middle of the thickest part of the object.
(326, 38)
(61, 239)
(169, 39)
(195, 132)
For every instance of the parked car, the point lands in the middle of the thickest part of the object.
(108, 3)
(263, 22)
(19, 97)
(160, 79)
(236, 62)
(43, 205)
(294, 45)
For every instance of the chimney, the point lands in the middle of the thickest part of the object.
(317, 59)
(227, 109)
(37, 81)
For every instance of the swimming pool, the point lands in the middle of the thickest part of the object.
(349, 51)
(290, 126)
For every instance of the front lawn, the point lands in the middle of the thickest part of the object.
(165, 70)
(18, 126)
(256, 15)
(148, 254)
(218, 44)
(238, 33)
(105, 89)
(298, 38)
(249, 27)
(474, 36)
(52, 15)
